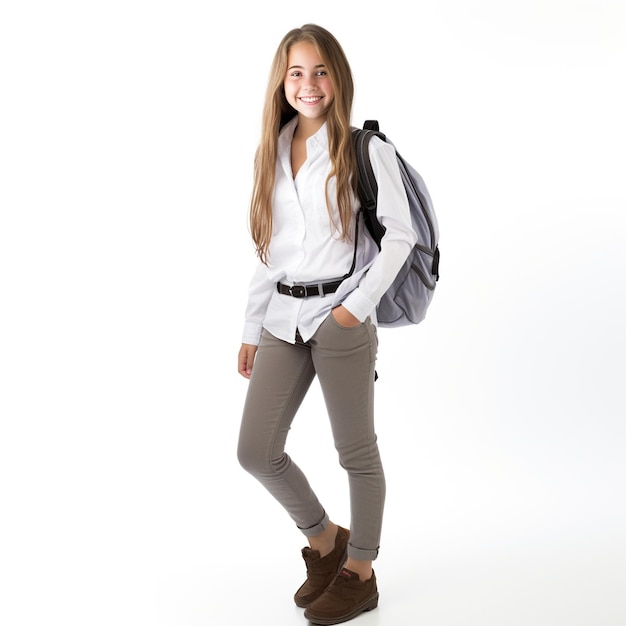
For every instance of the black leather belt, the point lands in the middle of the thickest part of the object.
(313, 289)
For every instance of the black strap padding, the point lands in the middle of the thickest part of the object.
(367, 186)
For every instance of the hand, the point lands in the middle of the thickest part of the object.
(343, 317)
(246, 359)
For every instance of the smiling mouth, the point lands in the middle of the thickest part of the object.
(311, 99)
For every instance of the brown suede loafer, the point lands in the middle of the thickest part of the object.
(346, 597)
(321, 571)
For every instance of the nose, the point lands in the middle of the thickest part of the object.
(310, 83)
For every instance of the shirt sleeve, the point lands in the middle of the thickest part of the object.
(399, 238)
(259, 295)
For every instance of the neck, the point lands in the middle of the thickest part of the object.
(308, 127)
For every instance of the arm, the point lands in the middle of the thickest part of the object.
(398, 240)
(259, 294)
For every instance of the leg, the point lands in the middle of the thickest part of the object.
(281, 376)
(344, 360)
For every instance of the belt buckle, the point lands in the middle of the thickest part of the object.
(297, 291)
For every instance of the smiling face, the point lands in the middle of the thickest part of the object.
(308, 88)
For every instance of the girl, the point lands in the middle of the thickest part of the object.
(312, 312)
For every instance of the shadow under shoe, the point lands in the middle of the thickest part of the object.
(345, 598)
(321, 571)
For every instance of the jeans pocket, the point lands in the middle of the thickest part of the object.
(338, 325)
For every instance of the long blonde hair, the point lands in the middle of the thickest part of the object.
(277, 112)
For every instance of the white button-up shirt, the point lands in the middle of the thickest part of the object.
(306, 247)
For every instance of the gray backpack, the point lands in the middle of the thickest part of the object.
(410, 294)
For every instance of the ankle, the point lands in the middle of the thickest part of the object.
(324, 543)
(362, 568)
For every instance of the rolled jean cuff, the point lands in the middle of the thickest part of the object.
(318, 528)
(359, 554)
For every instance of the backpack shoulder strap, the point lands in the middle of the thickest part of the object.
(367, 185)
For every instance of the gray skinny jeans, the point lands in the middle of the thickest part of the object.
(344, 360)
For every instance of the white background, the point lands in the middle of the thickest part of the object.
(127, 135)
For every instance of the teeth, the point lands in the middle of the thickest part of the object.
(310, 99)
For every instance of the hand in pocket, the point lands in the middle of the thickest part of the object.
(343, 317)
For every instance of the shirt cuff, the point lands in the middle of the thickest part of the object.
(252, 333)
(359, 305)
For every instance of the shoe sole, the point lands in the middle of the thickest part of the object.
(369, 605)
